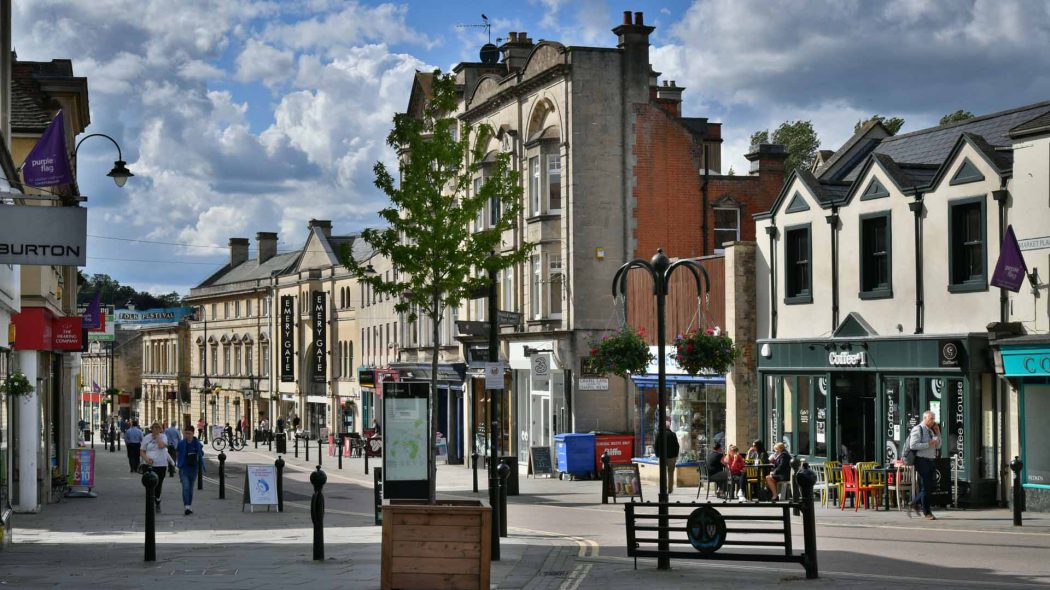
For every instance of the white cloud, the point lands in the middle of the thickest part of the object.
(354, 24)
(261, 62)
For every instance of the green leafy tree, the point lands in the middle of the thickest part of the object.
(893, 124)
(438, 260)
(799, 139)
(959, 115)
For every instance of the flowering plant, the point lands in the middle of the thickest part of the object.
(622, 353)
(16, 384)
(708, 350)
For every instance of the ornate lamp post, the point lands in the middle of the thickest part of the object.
(660, 269)
(120, 173)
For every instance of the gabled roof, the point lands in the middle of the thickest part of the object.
(854, 326)
(856, 147)
(250, 270)
(1036, 126)
(1001, 162)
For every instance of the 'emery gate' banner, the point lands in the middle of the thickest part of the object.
(318, 332)
(287, 339)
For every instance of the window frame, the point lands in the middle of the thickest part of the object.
(881, 291)
(549, 157)
(535, 173)
(973, 283)
(536, 286)
(802, 296)
(718, 243)
(549, 267)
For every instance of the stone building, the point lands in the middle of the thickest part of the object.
(165, 389)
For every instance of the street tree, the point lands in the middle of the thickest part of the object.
(959, 115)
(893, 124)
(799, 139)
(439, 261)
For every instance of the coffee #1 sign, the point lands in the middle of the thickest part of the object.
(43, 236)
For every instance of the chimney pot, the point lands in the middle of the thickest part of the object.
(267, 245)
(513, 37)
(238, 251)
(325, 225)
(627, 17)
(639, 19)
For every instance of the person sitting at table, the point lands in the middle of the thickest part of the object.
(716, 471)
(757, 453)
(781, 461)
(734, 462)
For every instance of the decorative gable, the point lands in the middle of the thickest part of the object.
(967, 173)
(854, 326)
(875, 190)
(797, 204)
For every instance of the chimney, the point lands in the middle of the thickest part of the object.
(238, 251)
(324, 225)
(267, 245)
(767, 158)
(633, 42)
(516, 50)
(670, 97)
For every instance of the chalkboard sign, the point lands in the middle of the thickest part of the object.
(624, 481)
(540, 461)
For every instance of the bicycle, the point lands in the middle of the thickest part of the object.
(234, 442)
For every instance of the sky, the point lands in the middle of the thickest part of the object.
(239, 116)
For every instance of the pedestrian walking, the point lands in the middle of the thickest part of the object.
(666, 446)
(133, 441)
(189, 458)
(200, 427)
(172, 436)
(295, 423)
(155, 453)
(923, 442)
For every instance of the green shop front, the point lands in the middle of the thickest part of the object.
(854, 399)
(1026, 364)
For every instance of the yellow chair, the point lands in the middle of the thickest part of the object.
(872, 479)
(829, 481)
(753, 476)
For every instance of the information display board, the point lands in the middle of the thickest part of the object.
(624, 481)
(260, 485)
(406, 430)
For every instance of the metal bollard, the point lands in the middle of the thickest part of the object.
(200, 475)
(339, 451)
(806, 479)
(796, 465)
(255, 438)
(320, 455)
(474, 467)
(91, 435)
(222, 475)
(149, 481)
(1016, 465)
(296, 446)
(269, 441)
(279, 463)
(366, 460)
(503, 470)
(494, 551)
(377, 491)
(118, 441)
(606, 475)
(318, 479)
(306, 444)
(112, 440)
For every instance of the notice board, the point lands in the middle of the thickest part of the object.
(540, 461)
(260, 485)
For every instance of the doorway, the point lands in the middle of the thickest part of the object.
(855, 432)
(540, 411)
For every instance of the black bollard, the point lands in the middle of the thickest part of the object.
(320, 455)
(366, 460)
(149, 481)
(112, 439)
(222, 475)
(306, 444)
(606, 475)
(339, 451)
(200, 475)
(474, 467)
(377, 491)
(806, 479)
(503, 471)
(494, 551)
(279, 463)
(91, 435)
(255, 438)
(318, 479)
(1016, 465)
(297, 447)
(119, 436)
(797, 464)
(269, 441)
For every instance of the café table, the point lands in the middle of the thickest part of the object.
(885, 480)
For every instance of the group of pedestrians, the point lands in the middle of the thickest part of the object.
(164, 451)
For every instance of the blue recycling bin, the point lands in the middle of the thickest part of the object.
(575, 454)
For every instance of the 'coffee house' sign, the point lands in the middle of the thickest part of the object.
(848, 359)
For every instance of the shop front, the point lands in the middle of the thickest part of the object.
(856, 399)
(537, 405)
(1026, 364)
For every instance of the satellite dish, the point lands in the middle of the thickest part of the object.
(489, 54)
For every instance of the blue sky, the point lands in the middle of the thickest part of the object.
(240, 116)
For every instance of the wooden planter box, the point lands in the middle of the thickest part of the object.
(435, 547)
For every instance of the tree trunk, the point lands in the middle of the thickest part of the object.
(435, 348)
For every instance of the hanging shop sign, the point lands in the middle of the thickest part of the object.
(287, 339)
(951, 352)
(33, 326)
(47, 164)
(43, 236)
(66, 333)
(540, 371)
(319, 330)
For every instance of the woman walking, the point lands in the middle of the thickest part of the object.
(154, 453)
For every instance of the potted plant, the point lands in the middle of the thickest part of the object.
(16, 384)
(705, 351)
(623, 353)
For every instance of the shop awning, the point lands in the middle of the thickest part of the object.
(652, 381)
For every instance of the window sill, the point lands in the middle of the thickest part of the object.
(798, 300)
(876, 294)
(543, 217)
(969, 286)
(543, 321)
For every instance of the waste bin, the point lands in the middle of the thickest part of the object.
(575, 454)
(512, 477)
(282, 442)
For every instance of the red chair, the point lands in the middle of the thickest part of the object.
(851, 485)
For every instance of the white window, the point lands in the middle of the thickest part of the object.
(200, 360)
(508, 289)
(226, 359)
(554, 282)
(479, 221)
(265, 346)
(236, 309)
(248, 307)
(553, 183)
(237, 360)
(213, 311)
(727, 227)
(226, 309)
(534, 185)
(248, 360)
(535, 287)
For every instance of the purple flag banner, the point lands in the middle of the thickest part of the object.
(92, 318)
(48, 163)
(1011, 270)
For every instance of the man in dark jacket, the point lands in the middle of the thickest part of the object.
(666, 446)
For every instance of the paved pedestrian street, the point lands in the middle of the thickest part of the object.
(561, 537)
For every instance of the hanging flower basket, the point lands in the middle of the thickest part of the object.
(16, 384)
(705, 351)
(623, 353)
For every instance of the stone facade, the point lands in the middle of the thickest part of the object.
(742, 326)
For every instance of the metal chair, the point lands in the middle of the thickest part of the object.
(705, 481)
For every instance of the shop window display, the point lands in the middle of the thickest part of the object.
(698, 417)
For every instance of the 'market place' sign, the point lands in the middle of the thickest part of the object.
(42, 236)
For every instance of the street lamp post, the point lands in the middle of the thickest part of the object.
(660, 269)
(120, 173)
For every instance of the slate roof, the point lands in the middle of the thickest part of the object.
(1040, 124)
(250, 270)
(28, 113)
